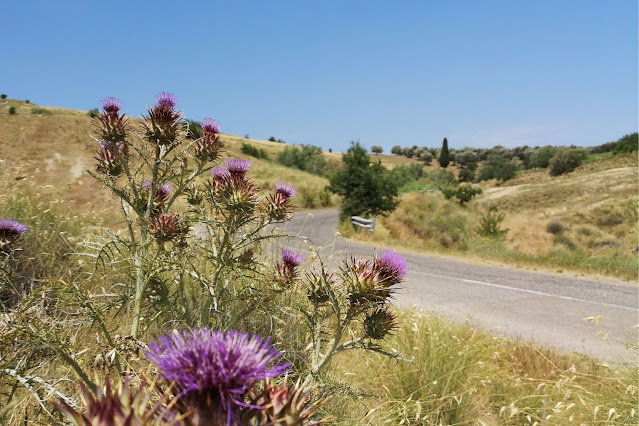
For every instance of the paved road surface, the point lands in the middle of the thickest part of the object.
(549, 309)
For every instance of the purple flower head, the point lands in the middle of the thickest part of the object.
(111, 104)
(286, 189)
(214, 368)
(166, 100)
(237, 166)
(392, 266)
(220, 173)
(210, 126)
(8, 226)
(146, 185)
(291, 259)
(165, 190)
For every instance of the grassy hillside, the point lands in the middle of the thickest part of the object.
(51, 147)
(594, 210)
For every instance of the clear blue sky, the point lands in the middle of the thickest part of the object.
(325, 72)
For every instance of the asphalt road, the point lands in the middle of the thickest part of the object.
(545, 308)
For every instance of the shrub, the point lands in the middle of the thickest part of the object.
(497, 166)
(308, 158)
(540, 157)
(555, 227)
(464, 193)
(466, 175)
(403, 175)
(12, 110)
(490, 222)
(565, 241)
(3, 96)
(426, 157)
(626, 144)
(565, 161)
(396, 150)
(366, 186)
(251, 150)
(376, 149)
(40, 111)
(27, 101)
(93, 112)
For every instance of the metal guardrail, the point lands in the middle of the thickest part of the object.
(363, 223)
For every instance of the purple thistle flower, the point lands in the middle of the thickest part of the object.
(237, 166)
(10, 230)
(111, 104)
(220, 172)
(393, 266)
(146, 185)
(286, 189)
(214, 370)
(166, 100)
(210, 126)
(165, 190)
(291, 259)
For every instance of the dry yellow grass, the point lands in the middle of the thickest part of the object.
(53, 149)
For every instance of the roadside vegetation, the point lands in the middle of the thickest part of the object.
(90, 299)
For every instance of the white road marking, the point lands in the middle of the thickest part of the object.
(523, 290)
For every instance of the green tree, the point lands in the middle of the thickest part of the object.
(497, 166)
(565, 161)
(366, 186)
(397, 150)
(444, 154)
(627, 144)
(376, 149)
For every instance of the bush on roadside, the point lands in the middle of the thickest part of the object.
(565, 241)
(12, 110)
(489, 223)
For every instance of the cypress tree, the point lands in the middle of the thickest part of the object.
(444, 155)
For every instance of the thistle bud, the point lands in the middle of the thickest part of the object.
(379, 323)
(207, 148)
(109, 158)
(167, 227)
(316, 290)
(287, 405)
(193, 195)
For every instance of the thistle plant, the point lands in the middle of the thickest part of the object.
(215, 377)
(153, 169)
(352, 312)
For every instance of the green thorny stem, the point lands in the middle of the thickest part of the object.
(140, 252)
